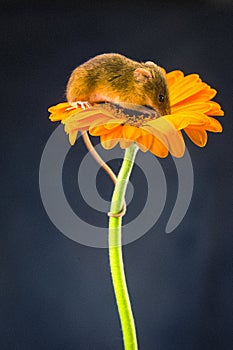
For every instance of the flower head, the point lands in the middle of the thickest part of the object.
(191, 111)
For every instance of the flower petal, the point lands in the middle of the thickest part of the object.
(198, 136)
(168, 135)
(215, 109)
(98, 130)
(59, 107)
(73, 136)
(113, 123)
(173, 77)
(185, 88)
(197, 107)
(131, 132)
(125, 143)
(204, 95)
(214, 125)
(110, 140)
(158, 149)
(182, 120)
(144, 142)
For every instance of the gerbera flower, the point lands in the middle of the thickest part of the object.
(191, 111)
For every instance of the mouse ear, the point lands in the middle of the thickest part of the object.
(151, 64)
(142, 75)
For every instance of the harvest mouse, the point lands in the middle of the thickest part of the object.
(115, 78)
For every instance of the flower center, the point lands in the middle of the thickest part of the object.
(131, 114)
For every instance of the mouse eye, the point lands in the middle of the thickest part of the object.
(161, 98)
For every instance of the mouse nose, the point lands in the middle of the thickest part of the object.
(164, 110)
(167, 110)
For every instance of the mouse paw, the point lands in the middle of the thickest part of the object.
(82, 104)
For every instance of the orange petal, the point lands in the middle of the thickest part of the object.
(111, 124)
(185, 87)
(72, 132)
(158, 149)
(173, 76)
(188, 89)
(177, 145)
(86, 123)
(214, 125)
(130, 132)
(215, 109)
(110, 140)
(91, 114)
(197, 107)
(59, 106)
(98, 130)
(73, 136)
(182, 119)
(108, 144)
(167, 134)
(144, 142)
(125, 143)
(198, 136)
(205, 94)
(100, 121)
(61, 115)
(62, 111)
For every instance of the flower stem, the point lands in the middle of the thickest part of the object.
(115, 252)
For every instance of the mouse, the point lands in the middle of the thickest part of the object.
(112, 77)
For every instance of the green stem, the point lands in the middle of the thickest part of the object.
(115, 252)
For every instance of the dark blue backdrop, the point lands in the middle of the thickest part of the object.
(57, 294)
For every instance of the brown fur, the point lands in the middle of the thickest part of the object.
(115, 78)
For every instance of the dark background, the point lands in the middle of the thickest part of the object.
(57, 294)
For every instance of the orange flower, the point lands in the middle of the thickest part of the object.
(191, 111)
(191, 106)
